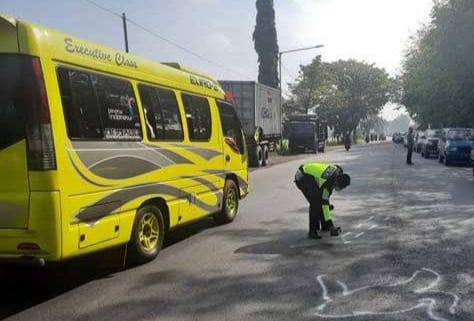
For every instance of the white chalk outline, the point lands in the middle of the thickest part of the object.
(428, 303)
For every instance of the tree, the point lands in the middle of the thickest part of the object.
(438, 77)
(266, 43)
(310, 86)
(343, 93)
(360, 91)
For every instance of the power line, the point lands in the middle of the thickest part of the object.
(167, 40)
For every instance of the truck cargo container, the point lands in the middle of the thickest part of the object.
(259, 110)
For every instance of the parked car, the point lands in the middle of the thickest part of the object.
(455, 146)
(397, 138)
(472, 156)
(429, 145)
(420, 138)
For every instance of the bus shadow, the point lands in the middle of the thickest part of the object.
(23, 287)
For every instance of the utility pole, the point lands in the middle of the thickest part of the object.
(125, 34)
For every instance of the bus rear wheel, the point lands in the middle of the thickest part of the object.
(230, 204)
(147, 234)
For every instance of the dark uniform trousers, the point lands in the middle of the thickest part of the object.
(314, 196)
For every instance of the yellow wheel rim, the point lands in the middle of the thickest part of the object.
(231, 202)
(149, 232)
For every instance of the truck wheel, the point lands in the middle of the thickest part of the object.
(265, 155)
(322, 149)
(258, 156)
(230, 204)
(147, 235)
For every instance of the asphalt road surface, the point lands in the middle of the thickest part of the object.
(407, 253)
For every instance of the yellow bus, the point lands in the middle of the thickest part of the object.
(99, 148)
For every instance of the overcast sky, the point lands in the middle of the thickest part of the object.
(221, 30)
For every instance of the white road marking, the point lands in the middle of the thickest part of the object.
(359, 235)
(425, 302)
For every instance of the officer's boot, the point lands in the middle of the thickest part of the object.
(314, 235)
(333, 230)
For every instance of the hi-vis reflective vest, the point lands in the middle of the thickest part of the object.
(322, 173)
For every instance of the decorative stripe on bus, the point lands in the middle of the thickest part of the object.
(242, 183)
(78, 171)
(123, 160)
(114, 201)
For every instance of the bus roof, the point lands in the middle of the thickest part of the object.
(60, 47)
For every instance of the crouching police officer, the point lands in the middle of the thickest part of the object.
(317, 181)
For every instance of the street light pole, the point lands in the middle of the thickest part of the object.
(280, 54)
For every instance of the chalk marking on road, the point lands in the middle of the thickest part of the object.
(359, 225)
(344, 241)
(370, 219)
(387, 218)
(325, 296)
(359, 235)
(432, 284)
(373, 226)
(427, 303)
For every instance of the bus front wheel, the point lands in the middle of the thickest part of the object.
(147, 235)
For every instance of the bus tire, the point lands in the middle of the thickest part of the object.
(147, 235)
(230, 203)
(265, 155)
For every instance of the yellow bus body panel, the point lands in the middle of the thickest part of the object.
(191, 186)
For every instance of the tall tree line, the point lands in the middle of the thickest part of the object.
(266, 43)
(438, 77)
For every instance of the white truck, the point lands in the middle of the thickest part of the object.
(258, 107)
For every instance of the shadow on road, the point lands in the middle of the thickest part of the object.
(23, 287)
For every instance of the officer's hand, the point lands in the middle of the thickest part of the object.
(331, 207)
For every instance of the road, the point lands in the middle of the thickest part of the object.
(407, 253)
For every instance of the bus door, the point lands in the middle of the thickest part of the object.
(234, 144)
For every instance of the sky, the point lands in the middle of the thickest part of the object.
(220, 31)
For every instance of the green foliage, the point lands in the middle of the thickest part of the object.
(438, 78)
(310, 87)
(266, 43)
(282, 147)
(399, 124)
(343, 93)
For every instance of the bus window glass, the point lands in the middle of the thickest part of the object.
(198, 117)
(119, 108)
(162, 113)
(12, 120)
(80, 105)
(98, 107)
(231, 126)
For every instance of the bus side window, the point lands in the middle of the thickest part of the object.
(119, 108)
(162, 113)
(80, 105)
(98, 107)
(198, 117)
(231, 126)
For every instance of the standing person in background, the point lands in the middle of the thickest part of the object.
(410, 144)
